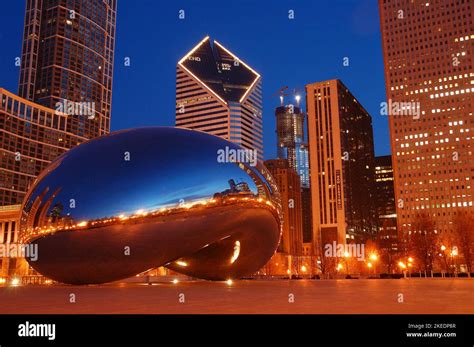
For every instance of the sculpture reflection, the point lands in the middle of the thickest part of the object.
(141, 198)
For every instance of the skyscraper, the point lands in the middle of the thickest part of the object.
(341, 164)
(218, 93)
(427, 47)
(65, 88)
(306, 205)
(67, 60)
(288, 183)
(385, 204)
(31, 136)
(384, 193)
(292, 145)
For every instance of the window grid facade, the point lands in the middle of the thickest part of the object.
(67, 56)
(219, 94)
(427, 48)
(31, 136)
(341, 161)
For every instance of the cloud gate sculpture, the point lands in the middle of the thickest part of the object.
(137, 199)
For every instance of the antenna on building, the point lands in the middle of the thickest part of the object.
(297, 94)
(282, 94)
(298, 98)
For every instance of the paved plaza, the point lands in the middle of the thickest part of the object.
(429, 296)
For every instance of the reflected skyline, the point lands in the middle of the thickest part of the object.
(140, 167)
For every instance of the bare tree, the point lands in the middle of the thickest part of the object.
(423, 241)
(388, 245)
(464, 236)
(327, 265)
(446, 243)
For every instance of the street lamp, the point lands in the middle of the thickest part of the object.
(443, 254)
(403, 267)
(454, 253)
(410, 264)
(346, 256)
(374, 258)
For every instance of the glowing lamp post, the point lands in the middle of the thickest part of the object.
(454, 254)
(402, 267)
(373, 257)
(346, 257)
(410, 265)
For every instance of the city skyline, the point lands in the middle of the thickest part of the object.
(243, 166)
(216, 92)
(258, 49)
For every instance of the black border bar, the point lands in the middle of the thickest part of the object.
(242, 329)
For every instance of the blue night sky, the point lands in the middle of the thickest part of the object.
(307, 49)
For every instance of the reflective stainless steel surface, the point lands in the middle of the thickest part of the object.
(142, 198)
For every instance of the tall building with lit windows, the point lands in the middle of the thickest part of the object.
(31, 136)
(427, 48)
(65, 88)
(384, 197)
(67, 57)
(292, 146)
(341, 161)
(218, 93)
